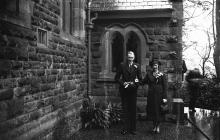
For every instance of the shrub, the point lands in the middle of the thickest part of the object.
(210, 96)
(95, 116)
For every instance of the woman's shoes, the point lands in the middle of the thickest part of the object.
(158, 129)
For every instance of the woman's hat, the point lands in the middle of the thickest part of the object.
(154, 61)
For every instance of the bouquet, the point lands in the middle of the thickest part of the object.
(127, 84)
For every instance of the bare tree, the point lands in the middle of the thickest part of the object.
(213, 45)
(205, 55)
(216, 54)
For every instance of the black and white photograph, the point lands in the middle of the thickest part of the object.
(109, 69)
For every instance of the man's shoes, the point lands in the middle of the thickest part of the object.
(133, 133)
(154, 129)
(124, 132)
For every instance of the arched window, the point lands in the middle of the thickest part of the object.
(117, 50)
(116, 42)
(73, 17)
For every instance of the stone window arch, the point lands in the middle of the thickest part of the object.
(117, 40)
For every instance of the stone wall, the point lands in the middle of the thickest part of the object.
(41, 86)
(164, 41)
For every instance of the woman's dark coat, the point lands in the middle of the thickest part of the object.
(157, 91)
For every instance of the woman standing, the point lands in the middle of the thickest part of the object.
(157, 89)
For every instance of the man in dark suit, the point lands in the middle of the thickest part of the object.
(129, 76)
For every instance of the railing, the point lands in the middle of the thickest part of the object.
(107, 5)
(203, 120)
(198, 129)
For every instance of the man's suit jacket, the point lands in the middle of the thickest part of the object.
(128, 74)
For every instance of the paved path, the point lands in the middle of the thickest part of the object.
(206, 120)
(169, 131)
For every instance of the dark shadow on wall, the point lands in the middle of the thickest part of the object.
(61, 130)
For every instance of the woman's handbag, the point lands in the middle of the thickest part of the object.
(164, 108)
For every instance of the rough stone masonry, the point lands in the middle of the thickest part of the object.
(42, 71)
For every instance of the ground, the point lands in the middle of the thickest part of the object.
(169, 131)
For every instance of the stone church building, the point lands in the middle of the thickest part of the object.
(151, 29)
(44, 69)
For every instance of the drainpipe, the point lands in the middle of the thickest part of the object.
(89, 26)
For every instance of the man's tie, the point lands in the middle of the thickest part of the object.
(129, 67)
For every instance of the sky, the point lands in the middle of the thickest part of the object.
(194, 31)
